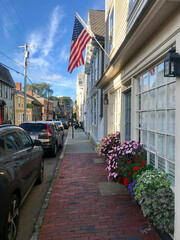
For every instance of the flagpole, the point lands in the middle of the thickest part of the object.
(91, 33)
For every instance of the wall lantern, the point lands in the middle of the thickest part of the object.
(172, 64)
(106, 99)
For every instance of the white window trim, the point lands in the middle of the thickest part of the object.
(166, 134)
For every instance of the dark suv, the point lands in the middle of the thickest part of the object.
(21, 165)
(47, 132)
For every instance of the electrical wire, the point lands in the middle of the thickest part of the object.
(21, 65)
(10, 17)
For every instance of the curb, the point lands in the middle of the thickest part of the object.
(44, 207)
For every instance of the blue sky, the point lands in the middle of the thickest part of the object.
(48, 25)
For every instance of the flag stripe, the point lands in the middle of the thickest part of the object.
(78, 47)
(77, 52)
(79, 40)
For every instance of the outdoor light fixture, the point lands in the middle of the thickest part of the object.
(172, 64)
(105, 99)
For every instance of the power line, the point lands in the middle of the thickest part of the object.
(10, 17)
(11, 59)
(18, 15)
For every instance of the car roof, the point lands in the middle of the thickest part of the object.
(7, 128)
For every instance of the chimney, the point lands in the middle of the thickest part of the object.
(36, 95)
(18, 86)
(30, 92)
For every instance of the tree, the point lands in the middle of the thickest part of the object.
(41, 89)
(53, 98)
(65, 100)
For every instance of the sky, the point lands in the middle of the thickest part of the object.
(47, 26)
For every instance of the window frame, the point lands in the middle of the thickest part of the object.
(156, 112)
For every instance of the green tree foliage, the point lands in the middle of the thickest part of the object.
(41, 89)
(66, 100)
(53, 98)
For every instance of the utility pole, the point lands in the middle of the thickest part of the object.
(48, 104)
(26, 55)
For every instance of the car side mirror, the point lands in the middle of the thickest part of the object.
(37, 142)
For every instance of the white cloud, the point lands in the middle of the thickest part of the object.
(64, 53)
(51, 77)
(55, 20)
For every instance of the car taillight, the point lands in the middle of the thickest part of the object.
(48, 130)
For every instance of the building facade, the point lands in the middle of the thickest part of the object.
(143, 104)
(94, 68)
(6, 96)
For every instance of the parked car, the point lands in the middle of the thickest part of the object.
(60, 126)
(47, 132)
(65, 123)
(21, 165)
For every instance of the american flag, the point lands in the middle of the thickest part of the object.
(79, 40)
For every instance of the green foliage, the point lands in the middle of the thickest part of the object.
(41, 89)
(158, 207)
(53, 98)
(150, 180)
(65, 100)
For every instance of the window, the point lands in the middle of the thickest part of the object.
(19, 102)
(10, 94)
(116, 110)
(1, 90)
(95, 111)
(5, 92)
(156, 118)
(12, 142)
(111, 29)
(2, 146)
(27, 142)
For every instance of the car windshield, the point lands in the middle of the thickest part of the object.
(33, 127)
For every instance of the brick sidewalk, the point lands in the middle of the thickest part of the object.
(77, 210)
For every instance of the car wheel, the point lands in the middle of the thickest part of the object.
(12, 219)
(54, 151)
(40, 173)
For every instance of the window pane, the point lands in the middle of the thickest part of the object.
(152, 159)
(171, 172)
(12, 142)
(171, 148)
(144, 120)
(2, 146)
(152, 120)
(152, 99)
(160, 75)
(145, 82)
(152, 78)
(161, 164)
(161, 97)
(140, 84)
(161, 124)
(144, 138)
(152, 141)
(171, 95)
(171, 121)
(161, 144)
(144, 102)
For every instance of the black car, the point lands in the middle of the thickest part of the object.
(21, 165)
(47, 132)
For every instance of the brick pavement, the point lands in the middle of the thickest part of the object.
(77, 210)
